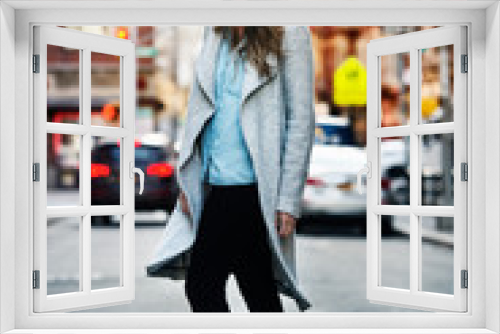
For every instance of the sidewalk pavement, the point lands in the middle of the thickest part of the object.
(430, 235)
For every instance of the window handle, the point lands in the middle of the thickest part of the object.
(134, 170)
(365, 170)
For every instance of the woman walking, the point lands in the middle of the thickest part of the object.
(242, 169)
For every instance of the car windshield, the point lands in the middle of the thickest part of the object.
(332, 134)
(142, 153)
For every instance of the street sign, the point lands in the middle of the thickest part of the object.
(349, 83)
(146, 51)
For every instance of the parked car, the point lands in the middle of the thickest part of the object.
(160, 185)
(395, 179)
(330, 189)
(396, 176)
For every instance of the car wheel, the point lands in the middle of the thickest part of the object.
(363, 227)
(387, 227)
(100, 220)
(170, 207)
(360, 228)
(302, 223)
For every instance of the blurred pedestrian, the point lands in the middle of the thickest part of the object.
(242, 168)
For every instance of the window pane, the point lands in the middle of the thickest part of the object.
(437, 254)
(437, 169)
(63, 169)
(105, 77)
(63, 84)
(105, 171)
(395, 254)
(437, 84)
(394, 169)
(63, 255)
(106, 252)
(395, 89)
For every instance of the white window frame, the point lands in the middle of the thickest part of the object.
(413, 44)
(483, 211)
(85, 44)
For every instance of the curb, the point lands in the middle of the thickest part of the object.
(445, 239)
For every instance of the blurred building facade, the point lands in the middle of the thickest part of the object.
(165, 59)
(340, 61)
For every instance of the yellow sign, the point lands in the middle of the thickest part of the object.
(429, 106)
(349, 83)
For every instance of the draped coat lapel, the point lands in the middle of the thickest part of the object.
(205, 75)
(264, 129)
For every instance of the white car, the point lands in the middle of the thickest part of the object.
(331, 184)
(330, 190)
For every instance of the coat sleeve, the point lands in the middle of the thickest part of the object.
(299, 90)
(190, 101)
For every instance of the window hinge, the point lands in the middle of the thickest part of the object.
(465, 64)
(36, 63)
(465, 279)
(464, 171)
(36, 279)
(36, 172)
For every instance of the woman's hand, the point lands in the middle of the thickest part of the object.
(184, 204)
(285, 223)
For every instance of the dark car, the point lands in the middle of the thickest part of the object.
(395, 185)
(160, 185)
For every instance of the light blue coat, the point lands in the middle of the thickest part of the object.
(278, 121)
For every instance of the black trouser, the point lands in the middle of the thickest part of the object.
(232, 238)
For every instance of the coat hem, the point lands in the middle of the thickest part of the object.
(179, 273)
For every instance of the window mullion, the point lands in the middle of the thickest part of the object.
(85, 244)
(414, 170)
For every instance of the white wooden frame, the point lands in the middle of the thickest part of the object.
(484, 101)
(85, 43)
(412, 43)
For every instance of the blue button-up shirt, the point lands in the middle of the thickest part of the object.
(225, 155)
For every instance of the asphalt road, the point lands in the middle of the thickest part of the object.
(331, 266)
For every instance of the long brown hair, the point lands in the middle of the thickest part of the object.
(260, 41)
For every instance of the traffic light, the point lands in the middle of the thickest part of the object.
(109, 112)
(121, 32)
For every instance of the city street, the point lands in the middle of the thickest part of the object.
(331, 265)
(331, 252)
